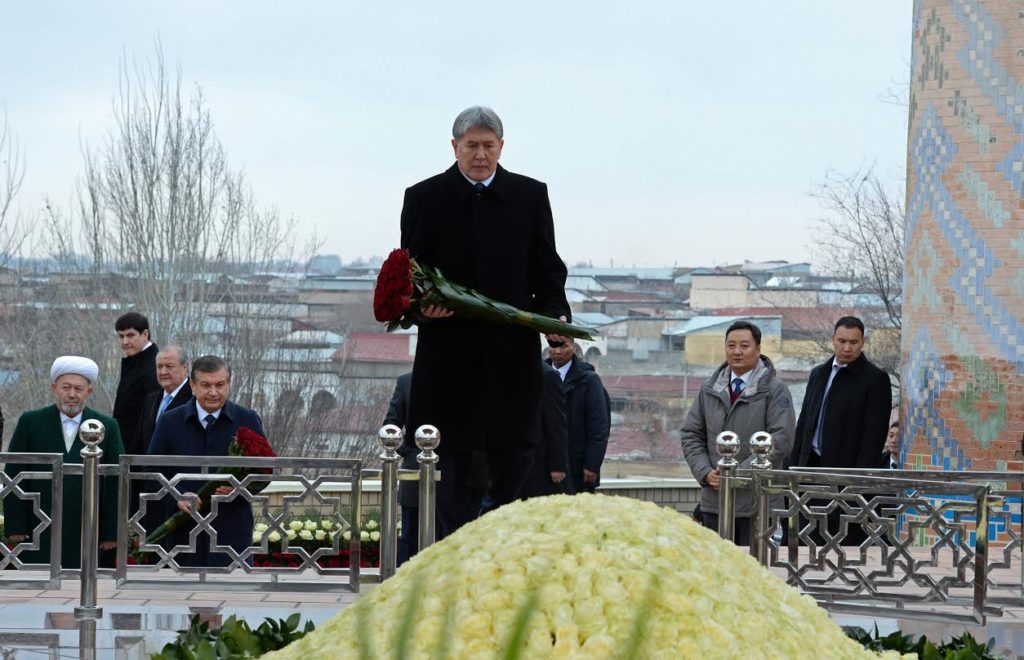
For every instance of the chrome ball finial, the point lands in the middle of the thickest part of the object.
(761, 446)
(728, 444)
(92, 432)
(428, 438)
(390, 437)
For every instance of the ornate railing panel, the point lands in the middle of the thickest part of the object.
(851, 541)
(16, 487)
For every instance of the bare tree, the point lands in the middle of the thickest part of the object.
(12, 174)
(160, 207)
(863, 233)
(862, 238)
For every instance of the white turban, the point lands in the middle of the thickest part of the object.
(73, 364)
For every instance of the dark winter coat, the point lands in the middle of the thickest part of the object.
(179, 432)
(151, 406)
(138, 378)
(589, 420)
(398, 412)
(500, 242)
(552, 451)
(856, 419)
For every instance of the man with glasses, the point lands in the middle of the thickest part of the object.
(587, 410)
(54, 429)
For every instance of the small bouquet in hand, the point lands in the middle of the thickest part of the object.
(404, 287)
(246, 443)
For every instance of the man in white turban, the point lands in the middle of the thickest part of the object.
(54, 430)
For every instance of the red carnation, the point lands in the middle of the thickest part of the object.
(393, 293)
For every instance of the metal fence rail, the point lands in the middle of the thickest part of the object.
(335, 487)
(904, 543)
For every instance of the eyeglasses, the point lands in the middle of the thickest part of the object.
(556, 344)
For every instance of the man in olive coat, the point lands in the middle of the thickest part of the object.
(54, 429)
(479, 384)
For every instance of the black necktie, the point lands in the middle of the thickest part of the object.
(209, 419)
(479, 187)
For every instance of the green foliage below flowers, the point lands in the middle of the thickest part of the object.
(234, 639)
(964, 647)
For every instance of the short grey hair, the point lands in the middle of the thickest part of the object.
(174, 348)
(477, 116)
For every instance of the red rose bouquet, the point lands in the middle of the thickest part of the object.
(246, 443)
(404, 287)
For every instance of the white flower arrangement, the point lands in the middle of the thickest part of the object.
(603, 575)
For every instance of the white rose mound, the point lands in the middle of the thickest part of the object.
(595, 565)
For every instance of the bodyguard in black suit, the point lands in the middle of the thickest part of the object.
(489, 229)
(855, 420)
(205, 427)
(550, 470)
(138, 376)
(849, 430)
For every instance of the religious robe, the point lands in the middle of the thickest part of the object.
(40, 431)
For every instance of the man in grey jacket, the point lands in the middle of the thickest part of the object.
(743, 396)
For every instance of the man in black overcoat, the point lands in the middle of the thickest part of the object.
(551, 455)
(849, 430)
(587, 412)
(479, 384)
(138, 376)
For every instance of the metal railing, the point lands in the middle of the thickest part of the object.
(902, 543)
(337, 489)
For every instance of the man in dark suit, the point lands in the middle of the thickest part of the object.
(486, 228)
(172, 375)
(205, 427)
(551, 456)
(587, 411)
(138, 375)
(845, 414)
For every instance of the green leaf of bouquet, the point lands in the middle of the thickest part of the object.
(293, 622)
(362, 633)
(631, 646)
(403, 635)
(513, 648)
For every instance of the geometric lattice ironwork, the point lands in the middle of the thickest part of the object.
(332, 486)
(903, 544)
(51, 465)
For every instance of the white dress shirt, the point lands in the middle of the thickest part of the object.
(70, 426)
(203, 413)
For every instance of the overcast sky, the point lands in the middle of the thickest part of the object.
(669, 133)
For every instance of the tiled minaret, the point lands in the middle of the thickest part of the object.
(963, 304)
